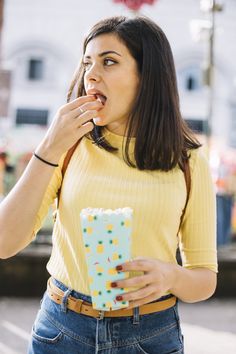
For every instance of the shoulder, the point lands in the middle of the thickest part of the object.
(198, 160)
(199, 165)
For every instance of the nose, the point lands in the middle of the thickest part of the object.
(92, 74)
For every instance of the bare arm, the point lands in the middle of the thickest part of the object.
(192, 285)
(18, 211)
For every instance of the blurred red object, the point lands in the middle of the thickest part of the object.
(3, 156)
(135, 4)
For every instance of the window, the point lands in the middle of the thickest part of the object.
(31, 116)
(190, 78)
(197, 125)
(191, 83)
(35, 69)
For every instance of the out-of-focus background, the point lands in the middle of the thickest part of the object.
(40, 48)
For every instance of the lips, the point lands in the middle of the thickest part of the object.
(98, 94)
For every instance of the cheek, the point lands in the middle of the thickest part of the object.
(131, 93)
(129, 88)
(124, 93)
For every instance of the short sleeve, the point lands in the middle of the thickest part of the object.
(198, 231)
(49, 196)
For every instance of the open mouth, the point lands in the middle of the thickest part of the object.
(101, 98)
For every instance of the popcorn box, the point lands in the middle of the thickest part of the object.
(107, 243)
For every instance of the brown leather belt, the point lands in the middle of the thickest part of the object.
(85, 308)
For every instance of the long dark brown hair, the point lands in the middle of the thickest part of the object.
(163, 139)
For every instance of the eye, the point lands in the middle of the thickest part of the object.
(109, 62)
(86, 65)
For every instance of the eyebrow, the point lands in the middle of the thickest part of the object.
(104, 53)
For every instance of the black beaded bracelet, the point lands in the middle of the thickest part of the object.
(47, 162)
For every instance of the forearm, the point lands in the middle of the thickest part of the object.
(19, 209)
(192, 285)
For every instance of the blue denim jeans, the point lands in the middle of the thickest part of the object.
(62, 331)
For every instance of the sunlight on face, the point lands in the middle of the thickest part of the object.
(111, 73)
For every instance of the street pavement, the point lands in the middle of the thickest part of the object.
(209, 327)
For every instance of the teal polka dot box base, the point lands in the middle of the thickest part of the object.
(107, 243)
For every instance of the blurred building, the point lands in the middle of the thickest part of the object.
(42, 46)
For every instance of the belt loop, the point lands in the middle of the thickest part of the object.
(64, 300)
(136, 315)
(100, 315)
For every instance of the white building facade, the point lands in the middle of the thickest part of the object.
(42, 43)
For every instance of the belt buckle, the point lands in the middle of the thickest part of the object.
(101, 315)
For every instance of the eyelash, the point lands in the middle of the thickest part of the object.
(87, 64)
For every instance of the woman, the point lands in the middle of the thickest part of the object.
(133, 149)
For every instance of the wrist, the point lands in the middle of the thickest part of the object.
(174, 276)
(46, 152)
(45, 161)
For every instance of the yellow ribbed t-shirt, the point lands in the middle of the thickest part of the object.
(99, 179)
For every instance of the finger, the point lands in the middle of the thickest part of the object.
(140, 280)
(138, 294)
(85, 117)
(85, 128)
(136, 264)
(76, 103)
(78, 111)
(143, 301)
